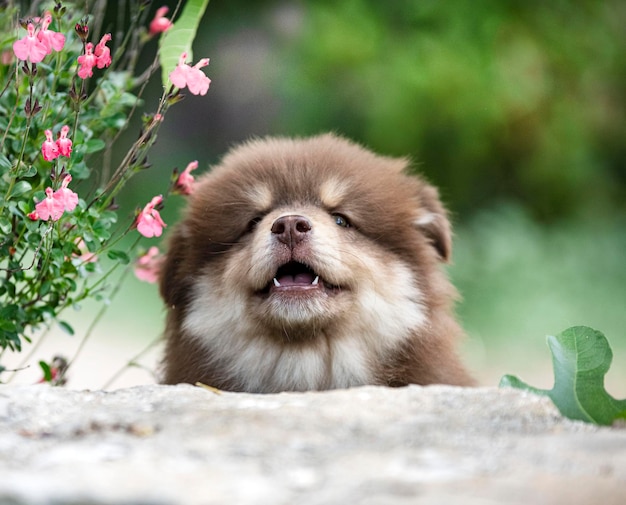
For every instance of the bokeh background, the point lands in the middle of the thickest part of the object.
(516, 110)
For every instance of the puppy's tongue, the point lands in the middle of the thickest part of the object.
(295, 280)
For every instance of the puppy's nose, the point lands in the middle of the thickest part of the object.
(291, 230)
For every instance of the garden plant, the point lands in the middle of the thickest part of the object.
(68, 89)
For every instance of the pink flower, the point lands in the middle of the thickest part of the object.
(149, 222)
(184, 183)
(102, 52)
(87, 61)
(62, 147)
(29, 47)
(100, 57)
(66, 196)
(64, 144)
(50, 208)
(148, 266)
(85, 255)
(191, 77)
(56, 202)
(49, 148)
(50, 39)
(160, 23)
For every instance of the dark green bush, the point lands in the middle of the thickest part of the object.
(494, 99)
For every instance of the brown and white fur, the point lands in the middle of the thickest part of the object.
(306, 265)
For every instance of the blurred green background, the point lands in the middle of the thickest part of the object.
(516, 110)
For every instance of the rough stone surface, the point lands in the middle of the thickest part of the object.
(372, 445)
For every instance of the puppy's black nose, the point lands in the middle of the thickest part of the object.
(291, 230)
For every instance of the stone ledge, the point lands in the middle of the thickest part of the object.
(371, 445)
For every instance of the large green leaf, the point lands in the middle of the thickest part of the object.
(581, 357)
(179, 38)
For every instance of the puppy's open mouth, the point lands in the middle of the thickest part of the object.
(295, 277)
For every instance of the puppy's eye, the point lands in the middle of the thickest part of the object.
(252, 224)
(341, 220)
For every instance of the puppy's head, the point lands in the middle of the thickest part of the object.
(292, 239)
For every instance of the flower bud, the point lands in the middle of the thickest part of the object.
(82, 30)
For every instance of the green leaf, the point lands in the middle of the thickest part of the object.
(119, 255)
(20, 188)
(94, 145)
(7, 325)
(66, 328)
(80, 170)
(44, 289)
(510, 381)
(5, 163)
(29, 171)
(5, 225)
(179, 38)
(47, 371)
(581, 357)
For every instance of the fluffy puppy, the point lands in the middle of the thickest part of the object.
(306, 265)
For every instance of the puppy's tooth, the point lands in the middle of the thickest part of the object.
(276, 283)
(316, 281)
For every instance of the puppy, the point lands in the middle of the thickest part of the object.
(308, 265)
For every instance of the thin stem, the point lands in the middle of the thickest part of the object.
(17, 98)
(143, 79)
(15, 169)
(36, 252)
(8, 83)
(120, 177)
(111, 270)
(109, 244)
(133, 361)
(23, 363)
(95, 322)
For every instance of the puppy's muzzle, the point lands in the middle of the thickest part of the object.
(296, 274)
(291, 229)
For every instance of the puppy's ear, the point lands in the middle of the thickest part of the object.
(432, 220)
(172, 277)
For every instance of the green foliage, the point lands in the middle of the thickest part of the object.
(179, 38)
(518, 277)
(47, 371)
(51, 263)
(581, 357)
(515, 99)
(42, 263)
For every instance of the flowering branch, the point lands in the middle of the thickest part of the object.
(53, 233)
